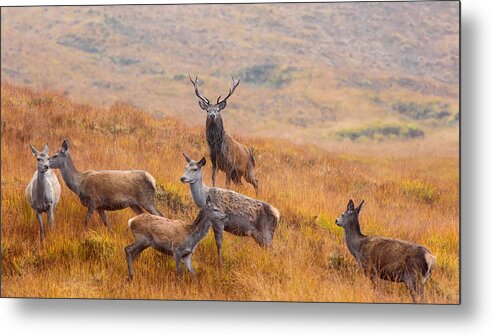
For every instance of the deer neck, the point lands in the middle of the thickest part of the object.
(41, 185)
(354, 238)
(199, 192)
(215, 132)
(198, 230)
(70, 175)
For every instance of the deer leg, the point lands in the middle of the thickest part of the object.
(410, 283)
(151, 209)
(420, 291)
(214, 171)
(136, 209)
(88, 215)
(104, 218)
(132, 252)
(228, 180)
(187, 261)
(218, 234)
(373, 276)
(51, 216)
(250, 178)
(179, 268)
(41, 227)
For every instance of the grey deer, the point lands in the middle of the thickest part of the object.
(43, 191)
(226, 154)
(388, 259)
(245, 216)
(103, 190)
(172, 237)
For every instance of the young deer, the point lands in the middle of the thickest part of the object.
(234, 159)
(43, 191)
(388, 259)
(172, 237)
(110, 190)
(246, 216)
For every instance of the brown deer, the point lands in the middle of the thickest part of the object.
(173, 237)
(103, 190)
(245, 216)
(388, 259)
(226, 154)
(43, 191)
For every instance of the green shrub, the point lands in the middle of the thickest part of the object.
(382, 132)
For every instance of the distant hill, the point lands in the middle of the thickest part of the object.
(310, 72)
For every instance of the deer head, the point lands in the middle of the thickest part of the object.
(193, 171)
(57, 159)
(213, 110)
(349, 216)
(42, 158)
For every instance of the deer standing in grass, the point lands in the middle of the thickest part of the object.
(226, 154)
(388, 259)
(43, 191)
(245, 216)
(173, 237)
(103, 190)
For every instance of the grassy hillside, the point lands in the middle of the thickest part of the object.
(410, 188)
(313, 73)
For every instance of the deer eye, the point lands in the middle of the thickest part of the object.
(55, 156)
(39, 159)
(195, 169)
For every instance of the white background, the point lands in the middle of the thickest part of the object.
(472, 317)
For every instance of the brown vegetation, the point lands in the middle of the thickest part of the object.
(411, 187)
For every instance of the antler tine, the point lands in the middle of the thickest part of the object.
(195, 84)
(232, 88)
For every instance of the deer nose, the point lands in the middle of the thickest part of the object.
(46, 166)
(183, 179)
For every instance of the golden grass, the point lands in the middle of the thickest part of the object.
(410, 188)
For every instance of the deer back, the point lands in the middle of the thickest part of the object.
(236, 153)
(116, 186)
(391, 258)
(159, 229)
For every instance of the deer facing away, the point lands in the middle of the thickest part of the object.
(226, 154)
(173, 237)
(43, 191)
(388, 259)
(103, 190)
(245, 216)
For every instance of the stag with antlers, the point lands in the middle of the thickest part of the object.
(226, 154)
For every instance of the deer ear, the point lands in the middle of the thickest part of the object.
(359, 207)
(350, 205)
(187, 158)
(203, 105)
(202, 162)
(209, 201)
(46, 149)
(34, 150)
(65, 146)
(222, 105)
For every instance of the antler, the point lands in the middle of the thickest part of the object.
(235, 83)
(195, 84)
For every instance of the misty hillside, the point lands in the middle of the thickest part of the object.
(310, 72)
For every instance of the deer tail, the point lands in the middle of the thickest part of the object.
(431, 263)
